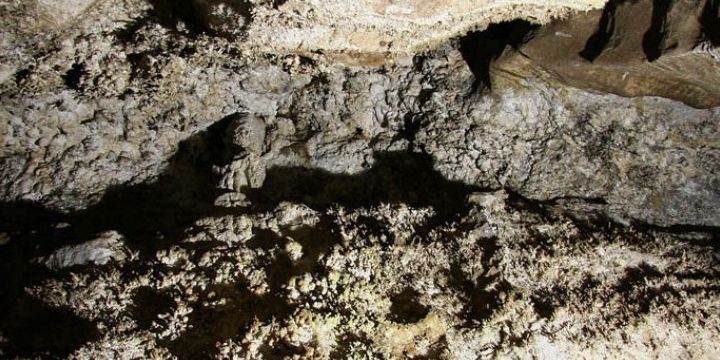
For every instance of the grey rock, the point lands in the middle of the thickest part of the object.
(497, 195)
(108, 247)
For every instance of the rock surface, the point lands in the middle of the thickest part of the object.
(376, 28)
(637, 49)
(304, 179)
(107, 247)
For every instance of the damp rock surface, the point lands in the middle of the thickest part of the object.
(291, 179)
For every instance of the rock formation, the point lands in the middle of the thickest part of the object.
(376, 179)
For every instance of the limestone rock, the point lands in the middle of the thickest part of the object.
(639, 49)
(61, 13)
(456, 179)
(109, 246)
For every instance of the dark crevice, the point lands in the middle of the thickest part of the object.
(264, 239)
(599, 40)
(589, 200)
(484, 301)
(588, 214)
(544, 304)
(198, 16)
(632, 287)
(654, 37)
(73, 76)
(710, 22)
(147, 304)
(22, 75)
(481, 48)
(547, 300)
(372, 227)
(679, 228)
(606, 29)
(140, 63)
(598, 219)
(406, 308)
(708, 235)
(128, 33)
(412, 123)
(640, 295)
(278, 3)
(517, 201)
(170, 14)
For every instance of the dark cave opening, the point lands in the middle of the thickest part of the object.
(481, 48)
(202, 16)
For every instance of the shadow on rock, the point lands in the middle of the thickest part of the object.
(34, 329)
(29, 327)
(156, 215)
(216, 324)
(223, 18)
(150, 216)
(481, 48)
(395, 178)
(606, 29)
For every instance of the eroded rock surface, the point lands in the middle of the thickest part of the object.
(499, 276)
(286, 179)
(637, 48)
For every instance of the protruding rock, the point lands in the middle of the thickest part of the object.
(632, 48)
(247, 131)
(109, 246)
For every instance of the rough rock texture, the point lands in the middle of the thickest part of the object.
(129, 96)
(108, 247)
(636, 48)
(500, 276)
(375, 28)
(233, 179)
